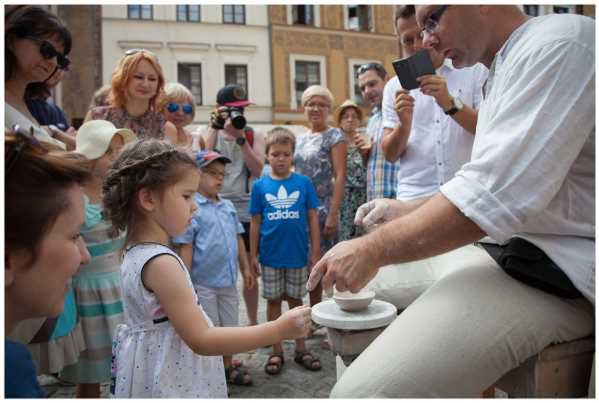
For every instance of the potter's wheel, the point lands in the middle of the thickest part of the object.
(378, 314)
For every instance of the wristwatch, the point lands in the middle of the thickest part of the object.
(457, 106)
(240, 141)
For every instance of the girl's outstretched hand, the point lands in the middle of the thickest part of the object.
(295, 323)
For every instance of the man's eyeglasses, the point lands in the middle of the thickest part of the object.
(24, 139)
(173, 108)
(48, 51)
(431, 24)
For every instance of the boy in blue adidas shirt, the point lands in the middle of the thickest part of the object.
(283, 208)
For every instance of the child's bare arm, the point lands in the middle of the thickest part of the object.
(314, 236)
(244, 266)
(186, 253)
(163, 275)
(255, 224)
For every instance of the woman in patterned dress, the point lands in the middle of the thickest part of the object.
(321, 154)
(137, 91)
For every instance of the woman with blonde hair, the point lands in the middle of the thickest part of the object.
(137, 90)
(348, 118)
(179, 109)
(321, 155)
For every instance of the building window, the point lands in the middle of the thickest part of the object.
(306, 74)
(140, 12)
(234, 14)
(303, 15)
(357, 95)
(359, 18)
(237, 74)
(532, 10)
(188, 13)
(562, 9)
(190, 75)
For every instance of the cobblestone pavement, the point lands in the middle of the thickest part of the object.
(293, 382)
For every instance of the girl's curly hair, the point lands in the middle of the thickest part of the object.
(153, 164)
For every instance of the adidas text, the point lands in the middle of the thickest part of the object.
(283, 215)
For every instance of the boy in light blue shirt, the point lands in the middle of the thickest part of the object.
(212, 249)
(283, 208)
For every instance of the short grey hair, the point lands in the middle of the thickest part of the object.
(176, 90)
(317, 91)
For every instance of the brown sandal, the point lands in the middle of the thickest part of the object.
(307, 360)
(238, 376)
(268, 367)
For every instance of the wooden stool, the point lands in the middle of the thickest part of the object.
(560, 370)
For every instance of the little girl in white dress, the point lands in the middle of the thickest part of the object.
(168, 346)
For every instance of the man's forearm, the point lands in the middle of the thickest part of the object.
(467, 118)
(395, 142)
(436, 227)
(210, 138)
(252, 161)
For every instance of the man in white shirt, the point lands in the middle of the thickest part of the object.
(531, 176)
(430, 128)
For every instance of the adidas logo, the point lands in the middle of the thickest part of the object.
(283, 201)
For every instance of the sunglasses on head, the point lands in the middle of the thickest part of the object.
(24, 139)
(173, 107)
(48, 51)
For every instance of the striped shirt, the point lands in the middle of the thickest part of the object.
(381, 175)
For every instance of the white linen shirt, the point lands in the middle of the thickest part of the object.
(532, 172)
(438, 146)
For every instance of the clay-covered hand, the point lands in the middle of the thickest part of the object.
(379, 211)
(347, 266)
(295, 323)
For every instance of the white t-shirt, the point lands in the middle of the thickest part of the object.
(532, 172)
(438, 146)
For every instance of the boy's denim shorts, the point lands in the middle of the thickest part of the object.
(277, 282)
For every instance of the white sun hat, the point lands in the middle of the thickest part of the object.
(94, 137)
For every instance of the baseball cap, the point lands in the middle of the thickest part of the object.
(94, 137)
(206, 157)
(233, 95)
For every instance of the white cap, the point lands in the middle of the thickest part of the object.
(94, 137)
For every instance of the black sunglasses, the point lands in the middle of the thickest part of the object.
(24, 139)
(48, 51)
(366, 67)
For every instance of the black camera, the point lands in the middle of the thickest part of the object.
(217, 120)
(237, 118)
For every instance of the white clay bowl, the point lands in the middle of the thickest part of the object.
(349, 301)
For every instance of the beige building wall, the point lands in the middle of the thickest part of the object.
(332, 45)
(209, 42)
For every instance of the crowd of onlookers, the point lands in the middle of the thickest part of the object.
(125, 236)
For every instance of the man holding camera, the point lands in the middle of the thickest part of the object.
(229, 133)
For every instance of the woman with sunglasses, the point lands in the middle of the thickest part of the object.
(179, 109)
(43, 247)
(36, 44)
(136, 93)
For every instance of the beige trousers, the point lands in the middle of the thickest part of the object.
(466, 324)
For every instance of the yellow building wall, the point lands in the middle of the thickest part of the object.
(332, 42)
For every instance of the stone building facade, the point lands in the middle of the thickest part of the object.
(323, 45)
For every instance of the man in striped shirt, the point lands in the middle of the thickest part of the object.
(381, 175)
